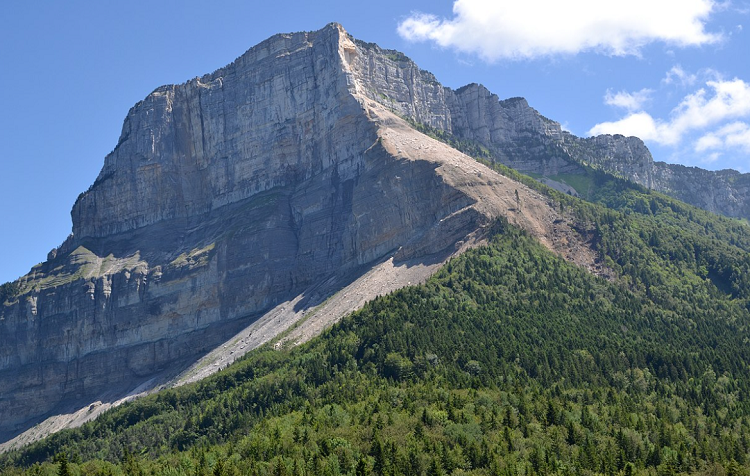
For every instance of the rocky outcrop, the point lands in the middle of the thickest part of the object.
(726, 192)
(623, 156)
(223, 196)
(237, 191)
(513, 132)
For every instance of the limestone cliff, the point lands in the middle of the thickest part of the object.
(223, 196)
(258, 190)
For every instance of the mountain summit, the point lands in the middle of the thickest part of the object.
(274, 196)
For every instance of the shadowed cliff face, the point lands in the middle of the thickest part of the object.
(224, 197)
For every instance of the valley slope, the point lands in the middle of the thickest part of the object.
(509, 360)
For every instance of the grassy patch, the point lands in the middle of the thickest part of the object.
(82, 263)
(194, 258)
(582, 183)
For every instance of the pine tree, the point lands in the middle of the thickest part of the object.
(62, 460)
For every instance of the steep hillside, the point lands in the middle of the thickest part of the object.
(278, 194)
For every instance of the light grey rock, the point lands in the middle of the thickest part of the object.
(726, 192)
(223, 196)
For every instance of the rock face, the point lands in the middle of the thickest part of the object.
(241, 190)
(223, 196)
(726, 192)
(513, 132)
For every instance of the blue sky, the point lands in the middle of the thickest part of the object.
(674, 72)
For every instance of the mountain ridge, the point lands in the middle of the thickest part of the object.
(541, 146)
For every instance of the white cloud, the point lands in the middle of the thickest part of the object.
(639, 124)
(731, 99)
(631, 101)
(736, 134)
(711, 158)
(679, 76)
(727, 100)
(708, 141)
(496, 29)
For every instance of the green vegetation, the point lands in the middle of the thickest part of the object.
(194, 258)
(8, 291)
(636, 225)
(396, 56)
(583, 184)
(81, 263)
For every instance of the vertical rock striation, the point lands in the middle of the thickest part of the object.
(224, 195)
(228, 195)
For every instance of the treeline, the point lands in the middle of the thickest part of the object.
(710, 245)
(8, 291)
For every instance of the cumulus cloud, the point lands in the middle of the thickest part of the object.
(711, 158)
(719, 102)
(736, 134)
(639, 124)
(497, 29)
(677, 75)
(631, 101)
(708, 141)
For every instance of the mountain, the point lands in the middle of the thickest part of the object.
(246, 197)
(282, 192)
